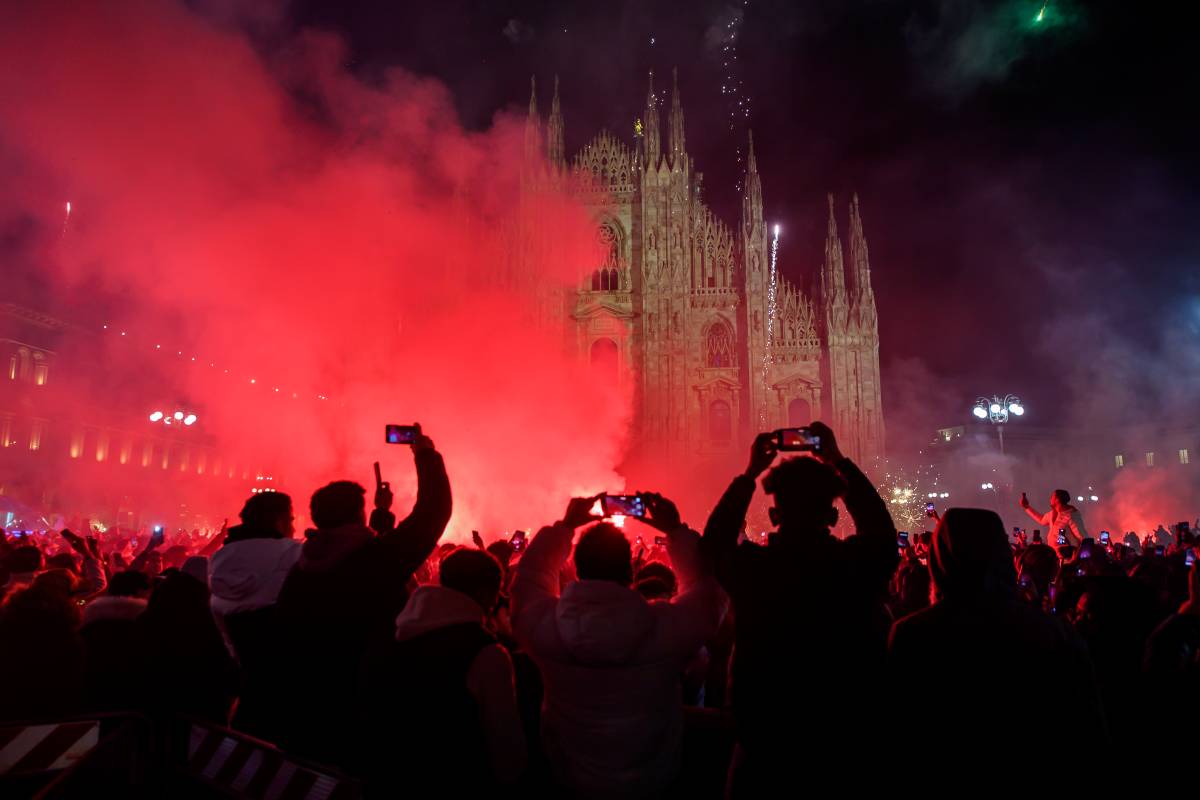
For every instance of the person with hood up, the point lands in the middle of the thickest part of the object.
(443, 679)
(612, 717)
(345, 592)
(245, 577)
(993, 666)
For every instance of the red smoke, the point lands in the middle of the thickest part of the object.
(295, 225)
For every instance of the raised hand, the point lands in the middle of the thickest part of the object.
(762, 453)
(477, 539)
(829, 452)
(579, 511)
(661, 512)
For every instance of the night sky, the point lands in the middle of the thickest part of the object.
(1029, 189)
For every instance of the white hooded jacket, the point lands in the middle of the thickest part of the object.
(612, 719)
(248, 575)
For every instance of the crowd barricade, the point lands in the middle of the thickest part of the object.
(214, 760)
(75, 757)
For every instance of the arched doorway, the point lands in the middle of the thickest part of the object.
(799, 413)
(605, 359)
(720, 421)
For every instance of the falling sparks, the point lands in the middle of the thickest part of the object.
(772, 285)
(906, 493)
(737, 103)
(1041, 15)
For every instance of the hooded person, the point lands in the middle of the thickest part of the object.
(344, 593)
(446, 669)
(612, 716)
(244, 578)
(991, 667)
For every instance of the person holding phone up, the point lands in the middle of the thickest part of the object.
(1061, 516)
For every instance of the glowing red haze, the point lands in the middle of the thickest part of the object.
(315, 233)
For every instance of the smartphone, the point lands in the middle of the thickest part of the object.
(661, 541)
(517, 541)
(158, 529)
(930, 510)
(902, 538)
(1160, 550)
(1062, 538)
(1189, 558)
(798, 439)
(1105, 537)
(401, 434)
(625, 505)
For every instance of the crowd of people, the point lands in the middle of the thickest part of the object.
(581, 665)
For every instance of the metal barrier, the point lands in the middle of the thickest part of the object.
(232, 764)
(75, 757)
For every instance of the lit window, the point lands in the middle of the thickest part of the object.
(1120, 459)
(1149, 459)
(6, 439)
(12, 368)
(41, 374)
(35, 435)
(1183, 457)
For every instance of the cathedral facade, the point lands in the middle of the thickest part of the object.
(719, 347)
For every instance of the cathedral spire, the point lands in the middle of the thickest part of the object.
(653, 144)
(532, 123)
(676, 140)
(833, 275)
(860, 267)
(555, 150)
(752, 205)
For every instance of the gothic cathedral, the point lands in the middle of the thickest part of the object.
(718, 345)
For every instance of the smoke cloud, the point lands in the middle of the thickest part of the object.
(340, 253)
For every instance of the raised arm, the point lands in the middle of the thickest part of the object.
(727, 519)
(1036, 516)
(535, 584)
(415, 537)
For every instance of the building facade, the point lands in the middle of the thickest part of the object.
(719, 346)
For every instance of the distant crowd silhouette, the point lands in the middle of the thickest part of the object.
(578, 665)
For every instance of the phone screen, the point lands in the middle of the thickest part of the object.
(797, 439)
(400, 434)
(625, 505)
(1062, 539)
(1190, 558)
(902, 538)
(517, 541)
(1105, 537)
(660, 541)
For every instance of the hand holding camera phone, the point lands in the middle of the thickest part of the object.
(401, 434)
(1062, 536)
(624, 505)
(797, 440)
(517, 541)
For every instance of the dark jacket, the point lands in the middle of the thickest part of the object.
(344, 593)
(975, 673)
(811, 626)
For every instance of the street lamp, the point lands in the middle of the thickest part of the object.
(998, 410)
(186, 418)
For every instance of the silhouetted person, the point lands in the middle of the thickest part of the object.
(346, 591)
(438, 707)
(612, 719)
(811, 625)
(992, 667)
(41, 653)
(114, 678)
(246, 576)
(188, 668)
